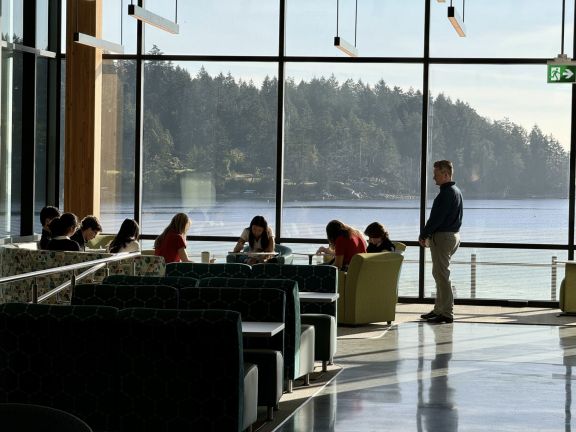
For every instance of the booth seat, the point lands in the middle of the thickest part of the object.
(201, 270)
(323, 316)
(130, 370)
(298, 339)
(264, 305)
(369, 290)
(16, 261)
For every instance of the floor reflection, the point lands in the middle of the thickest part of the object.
(447, 378)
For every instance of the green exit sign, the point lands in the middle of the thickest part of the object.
(559, 73)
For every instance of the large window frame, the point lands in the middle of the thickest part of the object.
(426, 61)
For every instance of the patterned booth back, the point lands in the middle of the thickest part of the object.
(173, 281)
(126, 296)
(199, 270)
(60, 356)
(293, 326)
(315, 278)
(183, 365)
(254, 304)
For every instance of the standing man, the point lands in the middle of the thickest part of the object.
(442, 235)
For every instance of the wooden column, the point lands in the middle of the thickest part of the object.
(83, 110)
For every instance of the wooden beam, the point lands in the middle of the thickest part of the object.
(83, 110)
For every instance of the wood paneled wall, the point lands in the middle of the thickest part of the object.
(83, 110)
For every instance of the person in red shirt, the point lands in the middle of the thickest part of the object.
(345, 242)
(171, 244)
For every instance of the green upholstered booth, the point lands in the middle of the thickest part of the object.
(126, 296)
(298, 339)
(369, 290)
(173, 281)
(200, 270)
(323, 316)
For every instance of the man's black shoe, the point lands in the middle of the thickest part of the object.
(428, 315)
(440, 319)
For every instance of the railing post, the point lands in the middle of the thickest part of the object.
(473, 275)
(72, 284)
(107, 269)
(34, 291)
(133, 267)
(554, 276)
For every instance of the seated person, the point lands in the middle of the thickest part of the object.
(171, 244)
(46, 215)
(127, 238)
(260, 238)
(89, 228)
(62, 228)
(378, 238)
(344, 242)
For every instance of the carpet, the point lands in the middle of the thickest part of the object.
(291, 402)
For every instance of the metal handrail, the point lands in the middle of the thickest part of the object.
(94, 264)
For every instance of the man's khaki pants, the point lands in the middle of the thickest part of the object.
(442, 246)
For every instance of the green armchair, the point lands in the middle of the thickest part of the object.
(369, 290)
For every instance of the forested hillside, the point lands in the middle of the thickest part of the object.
(344, 140)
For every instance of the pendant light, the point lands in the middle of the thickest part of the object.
(151, 18)
(94, 42)
(339, 42)
(455, 20)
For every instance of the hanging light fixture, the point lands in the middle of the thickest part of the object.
(455, 20)
(151, 18)
(340, 43)
(562, 58)
(94, 42)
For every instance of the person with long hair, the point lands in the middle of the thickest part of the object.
(127, 238)
(260, 238)
(378, 238)
(171, 244)
(344, 242)
(61, 229)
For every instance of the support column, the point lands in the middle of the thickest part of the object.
(83, 110)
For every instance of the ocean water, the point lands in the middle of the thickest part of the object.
(515, 274)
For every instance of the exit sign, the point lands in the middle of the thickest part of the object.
(561, 73)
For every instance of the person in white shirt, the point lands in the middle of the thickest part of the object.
(127, 238)
(260, 239)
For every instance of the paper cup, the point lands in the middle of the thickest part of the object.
(205, 257)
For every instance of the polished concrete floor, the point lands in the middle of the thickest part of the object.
(447, 378)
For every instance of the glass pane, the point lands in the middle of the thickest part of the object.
(12, 21)
(11, 121)
(209, 145)
(510, 157)
(509, 274)
(225, 27)
(114, 20)
(118, 135)
(42, 25)
(352, 134)
(41, 139)
(502, 28)
(391, 29)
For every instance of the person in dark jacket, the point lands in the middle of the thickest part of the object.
(441, 234)
(62, 228)
(378, 238)
(89, 228)
(46, 215)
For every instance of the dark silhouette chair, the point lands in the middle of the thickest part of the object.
(38, 418)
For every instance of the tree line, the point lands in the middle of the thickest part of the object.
(343, 140)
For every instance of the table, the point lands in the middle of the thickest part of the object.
(309, 255)
(261, 329)
(253, 253)
(318, 297)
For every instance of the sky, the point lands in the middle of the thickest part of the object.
(495, 29)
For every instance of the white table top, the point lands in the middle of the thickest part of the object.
(318, 297)
(253, 253)
(261, 329)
